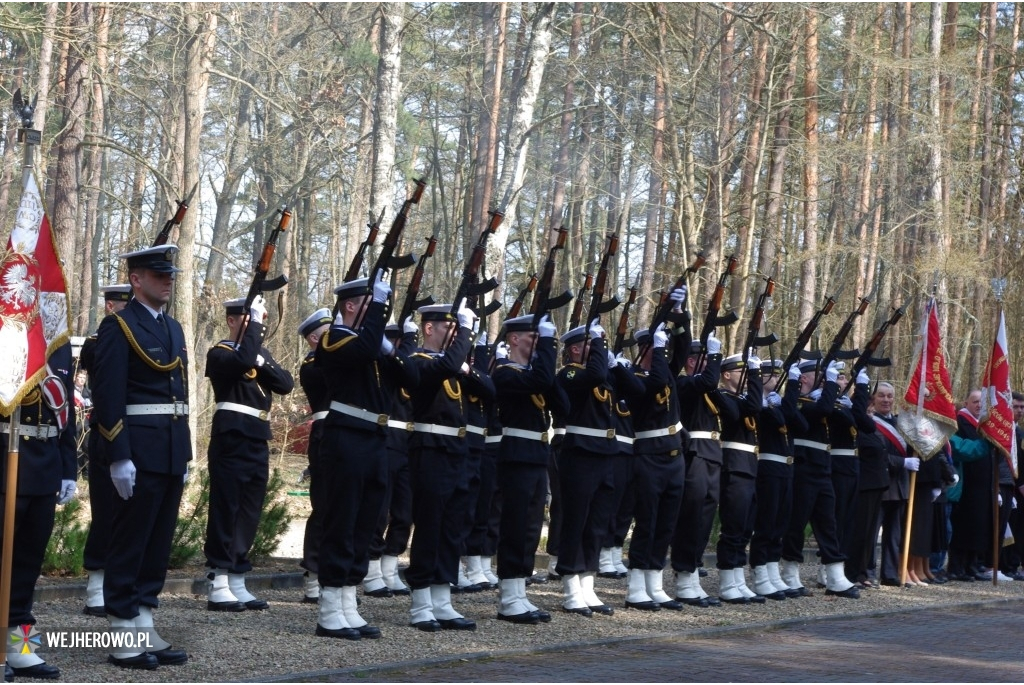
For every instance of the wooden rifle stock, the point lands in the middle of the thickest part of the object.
(866, 358)
(260, 283)
(753, 341)
(179, 215)
(807, 332)
(540, 306)
(470, 286)
(597, 305)
(520, 301)
(357, 261)
(620, 330)
(840, 338)
(665, 305)
(577, 307)
(412, 301)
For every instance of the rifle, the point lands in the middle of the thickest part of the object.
(412, 292)
(357, 261)
(165, 233)
(517, 306)
(865, 359)
(598, 305)
(391, 241)
(577, 307)
(260, 284)
(754, 340)
(805, 335)
(712, 320)
(542, 301)
(470, 285)
(620, 330)
(664, 311)
(835, 349)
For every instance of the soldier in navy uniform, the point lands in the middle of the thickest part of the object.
(141, 410)
(585, 466)
(738, 475)
(699, 409)
(395, 524)
(244, 376)
(773, 490)
(47, 467)
(813, 496)
(314, 385)
(101, 489)
(363, 372)
(526, 395)
(437, 463)
(658, 474)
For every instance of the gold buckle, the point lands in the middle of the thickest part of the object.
(789, 461)
(611, 434)
(265, 415)
(544, 438)
(715, 435)
(409, 427)
(462, 432)
(672, 429)
(485, 432)
(382, 419)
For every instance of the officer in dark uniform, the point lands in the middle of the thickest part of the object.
(395, 523)
(141, 413)
(244, 376)
(101, 489)
(437, 463)
(313, 383)
(47, 467)
(526, 393)
(699, 409)
(813, 496)
(585, 466)
(738, 476)
(658, 475)
(362, 372)
(778, 420)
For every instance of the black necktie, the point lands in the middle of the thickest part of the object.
(162, 320)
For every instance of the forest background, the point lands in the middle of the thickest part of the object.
(859, 150)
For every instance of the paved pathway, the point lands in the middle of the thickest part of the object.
(981, 644)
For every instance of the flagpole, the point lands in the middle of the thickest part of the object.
(998, 286)
(909, 520)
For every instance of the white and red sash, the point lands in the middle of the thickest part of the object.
(889, 431)
(968, 417)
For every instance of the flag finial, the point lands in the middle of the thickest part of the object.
(999, 287)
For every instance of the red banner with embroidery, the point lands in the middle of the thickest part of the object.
(931, 416)
(33, 300)
(996, 424)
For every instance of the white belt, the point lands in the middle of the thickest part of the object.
(624, 438)
(437, 429)
(357, 413)
(810, 443)
(174, 409)
(705, 435)
(844, 453)
(243, 409)
(318, 416)
(608, 434)
(400, 425)
(775, 457)
(739, 446)
(44, 432)
(558, 431)
(659, 432)
(476, 430)
(491, 439)
(536, 436)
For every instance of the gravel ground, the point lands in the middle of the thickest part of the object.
(273, 643)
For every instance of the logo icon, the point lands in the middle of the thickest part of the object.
(24, 639)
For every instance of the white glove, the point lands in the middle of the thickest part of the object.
(465, 315)
(184, 477)
(122, 472)
(260, 361)
(815, 394)
(339, 320)
(999, 499)
(956, 478)
(476, 325)
(863, 378)
(611, 359)
(409, 326)
(660, 337)
(774, 399)
(68, 488)
(754, 363)
(714, 344)
(845, 401)
(546, 328)
(911, 463)
(623, 361)
(1013, 503)
(386, 347)
(595, 329)
(258, 310)
(381, 288)
(678, 296)
(935, 493)
(501, 350)
(464, 369)
(832, 372)
(794, 372)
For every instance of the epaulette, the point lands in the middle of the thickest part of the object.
(574, 365)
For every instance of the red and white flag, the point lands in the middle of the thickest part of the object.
(931, 416)
(34, 318)
(996, 424)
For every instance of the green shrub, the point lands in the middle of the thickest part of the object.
(274, 519)
(66, 547)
